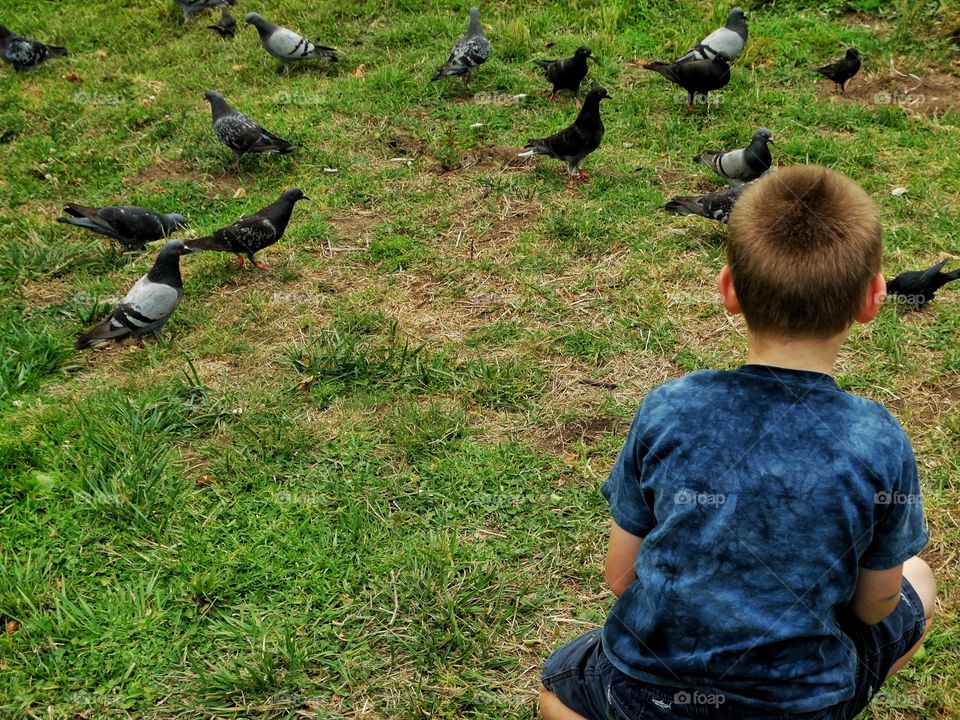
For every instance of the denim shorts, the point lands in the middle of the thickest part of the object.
(584, 680)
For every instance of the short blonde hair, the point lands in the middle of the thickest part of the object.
(804, 243)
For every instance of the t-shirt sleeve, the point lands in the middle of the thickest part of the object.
(899, 530)
(622, 488)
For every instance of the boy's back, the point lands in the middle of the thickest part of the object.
(758, 492)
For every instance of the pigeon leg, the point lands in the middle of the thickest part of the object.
(260, 265)
(239, 260)
(553, 97)
(139, 341)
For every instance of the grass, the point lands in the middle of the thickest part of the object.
(365, 482)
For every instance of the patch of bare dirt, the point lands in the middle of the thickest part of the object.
(220, 184)
(932, 93)
(355, 224)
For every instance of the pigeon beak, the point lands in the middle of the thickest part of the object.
(304, 198)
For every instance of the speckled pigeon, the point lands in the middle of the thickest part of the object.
(842, 70)
(226, 26)
(744, 164)
(567, 73)
(713, 205)
(132, 226)
(25, 54)
(147, 305)
(917, 287)
(253, 233)
(469, 52)
(192, 7)
(697, 77)
(729, 39)
(241, 134)
(574, 143)
(286, 45)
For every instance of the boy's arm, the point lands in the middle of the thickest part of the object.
(621, 557)
(877, 594)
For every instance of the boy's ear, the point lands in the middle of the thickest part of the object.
(873, 301)
(728, 295)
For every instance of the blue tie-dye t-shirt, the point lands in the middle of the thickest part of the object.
(758, 492)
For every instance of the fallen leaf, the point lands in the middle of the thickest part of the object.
(73, 77)
(360, 71)
(306, 382)
(240, 193)
(102, 54)
(898, 191)
(12, 626)
(205, 480)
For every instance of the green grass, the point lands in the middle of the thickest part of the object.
(365, 481)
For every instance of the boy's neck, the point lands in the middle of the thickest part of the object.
(795, 353)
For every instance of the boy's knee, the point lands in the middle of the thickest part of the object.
(921, 578)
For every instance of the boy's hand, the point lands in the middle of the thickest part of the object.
(877, 594)
(621, 558)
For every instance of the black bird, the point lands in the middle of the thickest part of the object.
(253, 233)
(568, 73)
(743, 164)
(25, 54)
(240, 133)
(713, 205)
(697, 77)
(917, 287)
(574, 143)
(130, 225)
(842, 70)
(226, 26)
(147, 305)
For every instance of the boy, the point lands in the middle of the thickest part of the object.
(764, 522)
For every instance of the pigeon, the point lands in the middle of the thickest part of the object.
(286, 45)
(568, 73)
(728, 40)
(697, 77)
(254, 232)
(742, 165)
(842, 70)
(917, 287)
(192, 7)
(132, 226)
(469, 52)
(574, 143)
(713, 205)
(226, 27)
(148, 304)
(25, 54)
(241, 134)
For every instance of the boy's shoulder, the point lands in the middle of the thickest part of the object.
(764, 384)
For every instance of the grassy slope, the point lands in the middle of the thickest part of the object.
(365, 481)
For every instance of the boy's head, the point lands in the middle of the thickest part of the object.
(804, 246)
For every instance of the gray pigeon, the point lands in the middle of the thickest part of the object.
(714, 205)
(130, 225)
(148, 304)
(728, 40)
(25, 54)
(574, 143)
(286, 45)
(254, 232)
(744, 164)
(192, 7)
(241, 134)
(469, 52)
